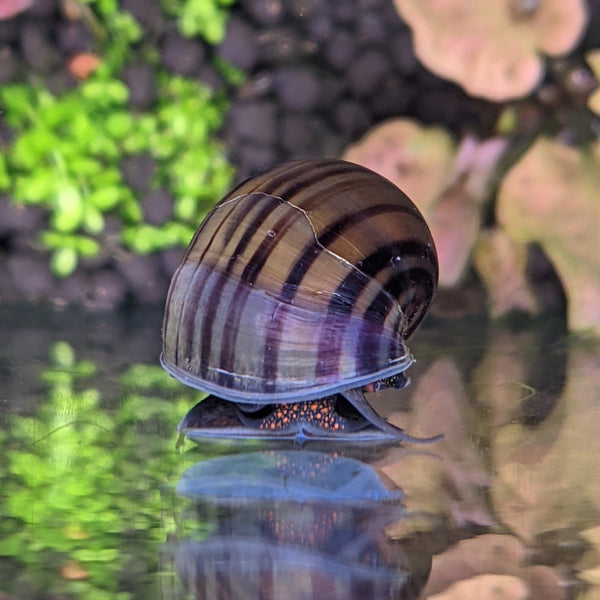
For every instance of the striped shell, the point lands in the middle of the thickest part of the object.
(302, 282)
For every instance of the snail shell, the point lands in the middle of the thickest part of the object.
(302, 282)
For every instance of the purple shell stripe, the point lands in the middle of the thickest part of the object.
(371, 334)
(191, 300)
(249, 276)
(206, 332)
(315, 174)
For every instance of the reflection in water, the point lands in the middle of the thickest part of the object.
(508, 501)
(298, 525)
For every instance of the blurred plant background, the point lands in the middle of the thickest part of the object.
(123, 122)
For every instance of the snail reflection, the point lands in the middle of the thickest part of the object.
(302, 285)
(297, 525)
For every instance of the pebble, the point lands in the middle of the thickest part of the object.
(240, 46)
(141, 82)
(147, 13)
(297, 88)
(30, 276)
(144, 278)
(264, 12)
(105, 291)
(255, 121)
(181, 55)
(158, 207)
(368, 72)
(39, 52)
(138, 171)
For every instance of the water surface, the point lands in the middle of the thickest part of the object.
(99, 498)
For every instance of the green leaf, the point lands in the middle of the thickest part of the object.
(32, 148)
(16, 101)
(63, 261)
(4, 178)
(105, 198)
(37, 188)
(119, 125)
(84, 166)
(93, 221)
(68, 208)
(185, 208)
(86, 246)
(131, 211)
(62, 355)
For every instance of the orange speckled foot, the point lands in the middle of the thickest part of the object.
(315, 417)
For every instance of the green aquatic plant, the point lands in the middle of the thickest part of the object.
(206, 18)
(67, 155)
(80, 497)
(67, 150)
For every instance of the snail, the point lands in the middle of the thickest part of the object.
(302, 284)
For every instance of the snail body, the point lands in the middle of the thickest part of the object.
(301, 283)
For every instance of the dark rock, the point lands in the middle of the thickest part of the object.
(138, 171)
(30, 276)
(297, 88)
(352, 118)
(254, 121)
(208, 75)
(368, 72)
(303, 8)
(144, 278)
(264, 12)
(15, 218)
(259, 86)
(39, 52)
(59, 82)
(439, 106)
(72, 290)
(170, 259)
(300, 133)
(253, 159)
(139, 78)
(332, 89)
(9, 31)
(393, 97)
(240, 46)
(401, 53)
(340, 50)
(8, 292)
(345, 12)
(280, 45)
(181, 55)
(371, 28)
(158, 207)
(73, 36)
(148, 13)
(321, 27)
(10, 65)
(42, 8)
(106, 291)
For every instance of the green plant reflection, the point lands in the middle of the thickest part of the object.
(81, 502)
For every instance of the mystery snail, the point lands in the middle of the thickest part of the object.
(302, 284)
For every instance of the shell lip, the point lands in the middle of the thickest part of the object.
(298, 394)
